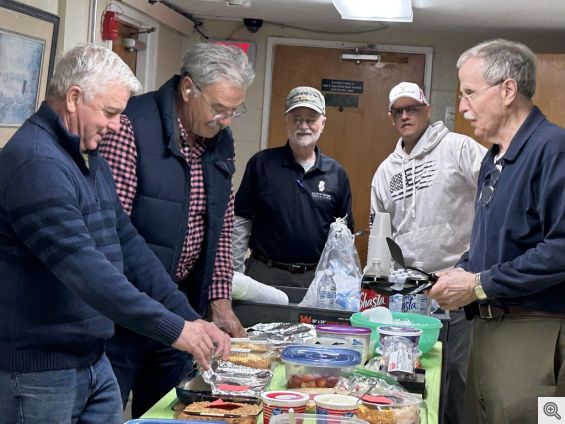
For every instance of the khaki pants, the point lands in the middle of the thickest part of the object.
(512, 362)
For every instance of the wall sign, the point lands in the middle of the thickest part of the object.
(342, 86)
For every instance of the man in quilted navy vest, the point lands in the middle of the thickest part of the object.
(173, 160)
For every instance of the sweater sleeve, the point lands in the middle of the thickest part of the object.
(42, 201)
(245, 197)
(146, 272)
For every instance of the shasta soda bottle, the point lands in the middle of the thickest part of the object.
(369, 297)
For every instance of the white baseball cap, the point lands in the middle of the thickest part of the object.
(406, 89)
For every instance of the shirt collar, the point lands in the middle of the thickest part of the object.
(51, 122)
(289, 160)
(534, 119)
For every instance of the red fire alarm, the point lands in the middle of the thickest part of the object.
(109, 26)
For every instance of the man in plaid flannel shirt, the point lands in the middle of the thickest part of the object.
(174, 152)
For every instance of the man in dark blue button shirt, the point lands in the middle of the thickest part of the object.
(288, 198)
(513, 276)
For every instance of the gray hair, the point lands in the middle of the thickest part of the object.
(92, 68)
(505, 59)
(208, 63)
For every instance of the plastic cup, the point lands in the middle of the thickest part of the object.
(280, 401)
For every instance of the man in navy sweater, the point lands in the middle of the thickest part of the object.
(512, 278)
(66, 247)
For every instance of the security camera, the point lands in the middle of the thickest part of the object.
(253, 25)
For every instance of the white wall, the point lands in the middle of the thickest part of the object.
(447, 48)
(247, 130)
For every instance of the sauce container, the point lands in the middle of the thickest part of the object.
(358, 337)
(280, 401)
(336, 404)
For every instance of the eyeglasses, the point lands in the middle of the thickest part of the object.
(216, 114)
(468, 97)
(487, 192)
(410, 110)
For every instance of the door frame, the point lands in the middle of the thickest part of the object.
(146, 66)
(272, 42)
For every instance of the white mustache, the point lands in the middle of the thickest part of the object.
(215, 125)
(468, 116)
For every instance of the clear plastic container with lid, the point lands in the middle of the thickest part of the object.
(314, 418)
(398, 408)
(359, 337)
(317, 366)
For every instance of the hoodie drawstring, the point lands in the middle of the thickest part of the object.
(404, 187)
(413, 189)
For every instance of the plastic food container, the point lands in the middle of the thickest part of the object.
(411, 333)
(252, 345)
(247, 413)
(357, 336)
(430, 327)
(251, 359)
(315, 418)
(280, 401)
(317, 366)
(396, 408)
(336, 404)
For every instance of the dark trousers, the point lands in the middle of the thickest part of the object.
(272, 276)
(456, 366)
(145, 367)
(512, 362)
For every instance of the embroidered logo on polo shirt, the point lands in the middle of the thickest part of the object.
(319, 194)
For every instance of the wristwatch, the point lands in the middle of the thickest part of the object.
(478, 289)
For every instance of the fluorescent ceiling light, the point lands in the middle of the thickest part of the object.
(375, 10)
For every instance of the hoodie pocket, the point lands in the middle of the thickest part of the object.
(437, 246)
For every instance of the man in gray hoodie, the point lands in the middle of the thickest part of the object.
(428, 186)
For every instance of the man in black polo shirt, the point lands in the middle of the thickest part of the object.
(288, 198)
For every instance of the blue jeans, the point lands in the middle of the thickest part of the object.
(146, 367)
(87, 395)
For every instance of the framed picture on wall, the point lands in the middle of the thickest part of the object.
(28, 40)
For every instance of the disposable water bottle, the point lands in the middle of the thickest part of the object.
(395, 303)
(421, 300)
(327, 291)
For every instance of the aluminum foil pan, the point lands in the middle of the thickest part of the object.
(228, 379)
(282, 332)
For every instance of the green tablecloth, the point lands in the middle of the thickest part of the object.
(431, 362)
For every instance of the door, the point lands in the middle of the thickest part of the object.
(358, 131)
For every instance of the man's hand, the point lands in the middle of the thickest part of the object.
(454, 289)
(202, 339)
(224, 317)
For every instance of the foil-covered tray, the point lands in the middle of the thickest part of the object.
(282, 332)
(228, 379)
